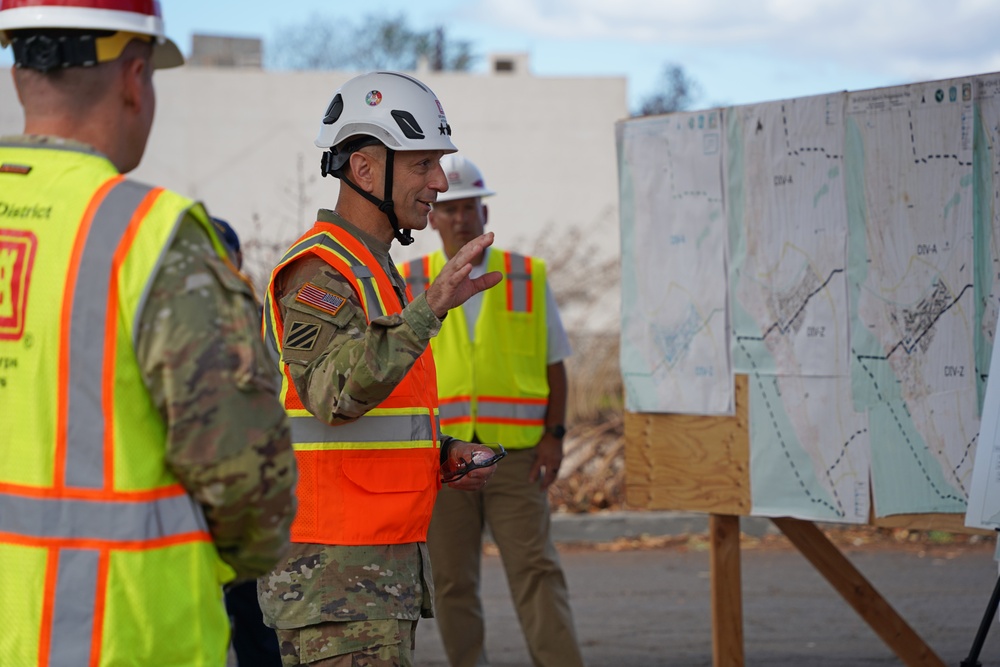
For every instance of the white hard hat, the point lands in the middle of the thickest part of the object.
(140, 17)
(464, 179)
(397, 110)
(389, 108)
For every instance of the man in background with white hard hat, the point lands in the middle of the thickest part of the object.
(359, 385)
(146, 460)
(501, 379)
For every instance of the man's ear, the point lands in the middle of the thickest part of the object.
(486, 215)
(134, 75)
(363, 170)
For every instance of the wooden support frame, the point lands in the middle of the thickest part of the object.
(727, 587)
(858, 593)
(702, 464)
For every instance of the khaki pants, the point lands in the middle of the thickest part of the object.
(373, 643)
(517, 514)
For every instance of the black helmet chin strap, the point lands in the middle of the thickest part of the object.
(385, 205)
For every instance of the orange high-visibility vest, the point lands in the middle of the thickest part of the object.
(104, 557)
(373, 480)
(496, 388)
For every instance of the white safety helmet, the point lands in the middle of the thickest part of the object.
(399, 111)
(464, 179)
(387, 108)
(136, 17)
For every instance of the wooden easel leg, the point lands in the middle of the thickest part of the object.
(727, 591)
(858, 593)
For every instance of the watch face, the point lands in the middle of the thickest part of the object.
(558, 431)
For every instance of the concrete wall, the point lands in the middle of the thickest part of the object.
(241, 140)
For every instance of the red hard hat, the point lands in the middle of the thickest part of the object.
(141, 17)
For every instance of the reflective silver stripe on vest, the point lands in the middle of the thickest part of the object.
(375, 308)
(370, 428)
(72, 613)
(365, 274)
(520, 283)
(85, 425)
(416, 277)
(111, 520)
(520, 411)
(455, 410)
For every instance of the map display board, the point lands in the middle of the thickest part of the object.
(862, 267)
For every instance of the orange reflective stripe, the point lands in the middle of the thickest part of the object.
(454, 399)
(93, 494)
(509, 283)
(62, 414)
(99, 604)
(514, 399)
(117, 545)
(516, 279)
(48, 605)
(528, 292)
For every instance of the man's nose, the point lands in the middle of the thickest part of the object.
(439, 182)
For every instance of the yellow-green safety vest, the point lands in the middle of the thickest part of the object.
(104, 557)
(497, 387)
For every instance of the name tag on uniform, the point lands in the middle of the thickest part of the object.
(319, 298)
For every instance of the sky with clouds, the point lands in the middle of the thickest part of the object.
(737, 52)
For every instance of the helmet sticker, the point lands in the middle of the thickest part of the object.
(373, 99)
(440, 108)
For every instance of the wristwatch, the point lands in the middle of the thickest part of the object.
(559, 431)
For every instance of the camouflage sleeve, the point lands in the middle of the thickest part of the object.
(341, 364)
(228, 440)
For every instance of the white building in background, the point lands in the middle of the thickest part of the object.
(241, 140)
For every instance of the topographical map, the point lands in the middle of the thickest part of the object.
(909, 177)
(675, 340)
(788, 286)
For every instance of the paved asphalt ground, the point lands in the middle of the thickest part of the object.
(650, 607)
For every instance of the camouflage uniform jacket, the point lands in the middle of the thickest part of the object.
(350, 367)
(210, 376)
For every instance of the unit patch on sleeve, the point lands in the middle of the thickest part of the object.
(319, 298)
(301, 336)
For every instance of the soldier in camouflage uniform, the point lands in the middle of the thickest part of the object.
(216, 428)
(345, 350)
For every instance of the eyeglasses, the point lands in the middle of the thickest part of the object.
(465, 467)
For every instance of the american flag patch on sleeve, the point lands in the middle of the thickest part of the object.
(319, 298)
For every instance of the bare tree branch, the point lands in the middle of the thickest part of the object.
(677, 92)
(325, 42)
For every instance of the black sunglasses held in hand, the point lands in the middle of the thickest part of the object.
(465, 467)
